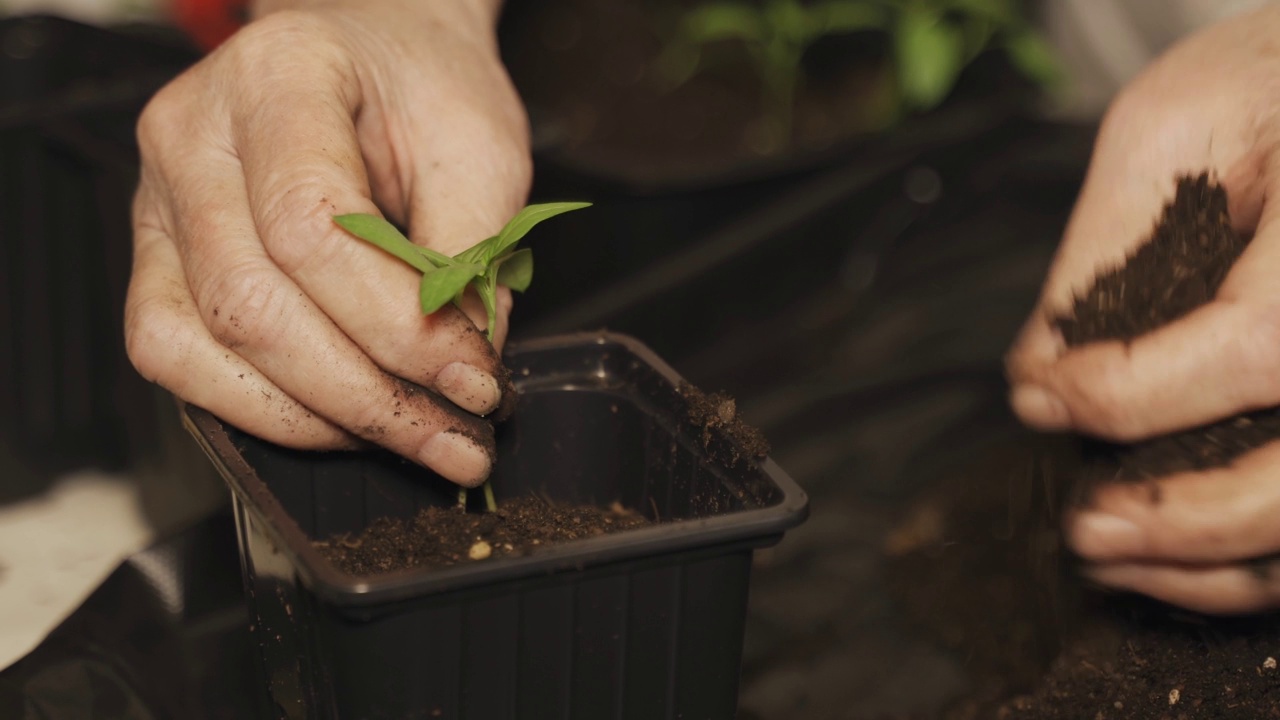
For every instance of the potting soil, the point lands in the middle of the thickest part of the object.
(443, 536)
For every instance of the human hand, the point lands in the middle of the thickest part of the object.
(246, 299)
(1207, 104)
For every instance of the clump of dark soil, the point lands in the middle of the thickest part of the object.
(718, 413)
(990, 580)
(444, 536)
(1180, 269)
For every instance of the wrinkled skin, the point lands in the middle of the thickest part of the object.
(247, 300)
(1209, 103)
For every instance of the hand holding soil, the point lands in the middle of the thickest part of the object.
(248, 301)
(1196, 533)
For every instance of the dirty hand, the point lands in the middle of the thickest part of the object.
(1209, 103)
(247, 300)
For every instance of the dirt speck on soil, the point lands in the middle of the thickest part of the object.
(1144, 661)
(717, 412)
(444, 536)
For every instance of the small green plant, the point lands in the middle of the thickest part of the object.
(775, 33)
(933, 40)
(492, 262)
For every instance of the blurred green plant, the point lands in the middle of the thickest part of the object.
(932, 41)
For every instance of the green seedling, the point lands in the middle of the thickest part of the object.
(492, 262)
(775, 33)
(932, 40)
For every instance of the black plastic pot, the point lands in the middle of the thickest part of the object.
(646, 623)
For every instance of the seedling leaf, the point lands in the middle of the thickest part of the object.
(375, 230)
(1033, 57)
(1001, 12)
(722, 21)
(930, 54)
(676, 64)
(839, 16)
(438, 259)
(787, 19)
(476, 253)
(442, 285)
(516, 270)
(523, 222)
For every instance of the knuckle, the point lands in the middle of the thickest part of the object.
(298, 228)
(1142, 123)
(160, 119)
(280, 30)
(497, 133)
(510, 149)
(155, 336)
(284, 47)
(245, 307)
(1259, 352)
(1105, 402)
(1122, 111)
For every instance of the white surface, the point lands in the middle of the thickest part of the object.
(92, 11)
(57, 548)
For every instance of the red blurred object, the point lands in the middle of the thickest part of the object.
(210, 22)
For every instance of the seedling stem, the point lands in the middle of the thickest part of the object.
(492, 262)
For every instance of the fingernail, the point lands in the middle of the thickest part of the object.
(456, 458)
(1040, 408)
(1105, 537)
(469, 387)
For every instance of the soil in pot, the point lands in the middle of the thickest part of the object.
(444, 536)
(979, 566)
(717, 412)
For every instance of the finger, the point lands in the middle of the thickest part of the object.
(169, 344)
(254, 309)
(302, 166)
(1214, 516)
(1216, 590)
(1221, 356)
